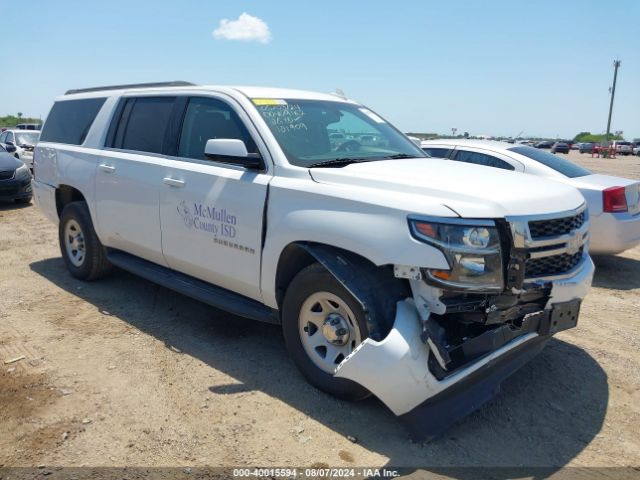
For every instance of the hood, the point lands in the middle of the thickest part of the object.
(471, 191)
(8, 161)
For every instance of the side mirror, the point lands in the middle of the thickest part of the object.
(231, 150)
(10, 147)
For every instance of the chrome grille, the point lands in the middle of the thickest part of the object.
(556, 226)
(552, 265)
(6, 174)
(555, 244)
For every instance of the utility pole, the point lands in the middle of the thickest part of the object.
(616, 64)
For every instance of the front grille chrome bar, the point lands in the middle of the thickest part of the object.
(559, 246)
(568, 243)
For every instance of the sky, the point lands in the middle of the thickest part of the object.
(489, 67)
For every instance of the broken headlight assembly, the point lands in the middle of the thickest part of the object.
(471, 247)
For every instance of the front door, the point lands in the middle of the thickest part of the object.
(211, 213)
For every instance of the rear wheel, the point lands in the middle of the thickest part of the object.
(81, 249)
(322, 324)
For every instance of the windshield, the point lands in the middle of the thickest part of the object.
(565, 167)
(312, 132)
(27, 138)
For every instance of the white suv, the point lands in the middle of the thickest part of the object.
(20, 143)
(424, 283)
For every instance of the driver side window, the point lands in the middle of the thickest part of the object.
(207, 118)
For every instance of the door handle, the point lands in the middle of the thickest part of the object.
(172, 182)
(107, 168)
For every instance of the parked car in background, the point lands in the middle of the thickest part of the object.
(614, 202)
(29, 126)
(575, 146)
(544, 144)
(21, 143)
(560, 147)
(636, 150)
(585, 147)
(622, 147)
(15, 178)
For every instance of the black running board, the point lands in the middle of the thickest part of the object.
(192, 287)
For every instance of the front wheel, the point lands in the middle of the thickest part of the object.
(81, 249)
(322, 324)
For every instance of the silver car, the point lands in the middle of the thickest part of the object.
(614, 202)
(20, 143)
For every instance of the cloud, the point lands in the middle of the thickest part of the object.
(246, 28)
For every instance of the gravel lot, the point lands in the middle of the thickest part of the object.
(123, 372)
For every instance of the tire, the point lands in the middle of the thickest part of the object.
(90, 260)
(23, 200)
(315, 282)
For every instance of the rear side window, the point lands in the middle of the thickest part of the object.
(437, 152)
(143, 124)
(565, 167)
(482, 159)
(70, 120)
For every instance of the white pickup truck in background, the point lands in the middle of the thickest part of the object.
(425, 283)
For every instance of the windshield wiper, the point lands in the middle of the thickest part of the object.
(401, 155)
(340, 162)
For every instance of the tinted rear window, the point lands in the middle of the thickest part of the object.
(436, 152)
(565, 167)
(70, 120)
(143, 124)
(483, 159)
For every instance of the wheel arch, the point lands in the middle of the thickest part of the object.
(66, 194)
(377, 295)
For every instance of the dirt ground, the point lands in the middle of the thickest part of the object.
(123, 372)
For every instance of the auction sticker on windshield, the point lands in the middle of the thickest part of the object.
(268, 101)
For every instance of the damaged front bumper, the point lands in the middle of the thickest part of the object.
(404, 370)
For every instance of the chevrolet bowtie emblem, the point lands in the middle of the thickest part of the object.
(574, 243)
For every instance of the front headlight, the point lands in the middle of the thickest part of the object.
(472, 248)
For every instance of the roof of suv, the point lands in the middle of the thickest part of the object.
(249, 91)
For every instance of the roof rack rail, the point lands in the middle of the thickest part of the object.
(176, 83)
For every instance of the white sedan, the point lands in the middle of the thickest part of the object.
(614, 202)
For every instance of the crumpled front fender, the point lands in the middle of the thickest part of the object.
(396, 371)
(395, 368)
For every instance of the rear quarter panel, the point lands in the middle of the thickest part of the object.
(57, 164)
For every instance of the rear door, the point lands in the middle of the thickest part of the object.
(212, 212)
(129, 176)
